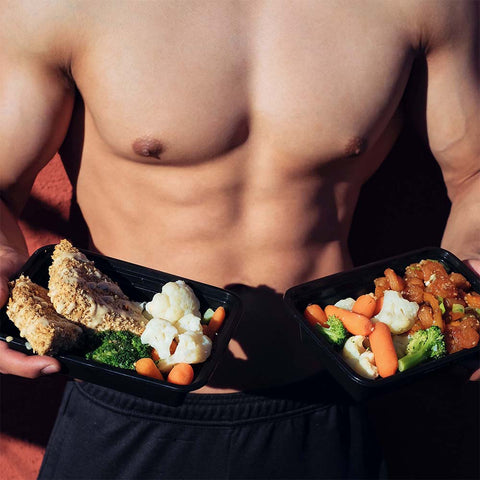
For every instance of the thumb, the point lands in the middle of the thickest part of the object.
(475, 377)
(473, 264)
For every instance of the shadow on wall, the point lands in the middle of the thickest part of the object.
(47, 216)
(403, 207)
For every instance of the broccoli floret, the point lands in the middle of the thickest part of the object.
(119, 349)
(335, 333)
(424, 345)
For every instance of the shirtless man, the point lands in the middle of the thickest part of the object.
(227, 141)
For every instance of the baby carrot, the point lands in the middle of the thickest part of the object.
(382, 347)
(146, 366)
(315, 314)
(215, 322)
(355, 323)
(379, 305)
(365, 305)
(437, 313)
(181, 374)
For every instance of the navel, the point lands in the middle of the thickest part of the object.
(147, 147)
(356, 146)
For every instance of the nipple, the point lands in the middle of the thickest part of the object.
(355, 147)
(147, 147)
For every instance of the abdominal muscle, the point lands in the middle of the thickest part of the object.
(226, 223)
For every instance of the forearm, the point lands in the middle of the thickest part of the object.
(462, 232)
(11, 237)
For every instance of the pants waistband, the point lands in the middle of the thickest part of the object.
(319, 391)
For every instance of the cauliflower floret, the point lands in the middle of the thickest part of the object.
(174, 301)
(397, 312)
(346, 303)
(193, 347)
(189, 322)
(400, 343)
(359, 358)
(166, 364)
(366, 365)
(159, 334)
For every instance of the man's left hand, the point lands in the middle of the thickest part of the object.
(475, 266)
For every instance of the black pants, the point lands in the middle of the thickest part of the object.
(308, 430)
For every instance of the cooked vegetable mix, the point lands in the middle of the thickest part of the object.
(407, 320)
(181, 337)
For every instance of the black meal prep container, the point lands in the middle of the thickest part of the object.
(139, 284)
(358, 281)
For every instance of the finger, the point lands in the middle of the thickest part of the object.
(29, 366)
(474, 265)
(475, 377)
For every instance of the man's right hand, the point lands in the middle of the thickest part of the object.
(11, 361)
(29, 366)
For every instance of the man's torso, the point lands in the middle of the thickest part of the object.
(244, 131)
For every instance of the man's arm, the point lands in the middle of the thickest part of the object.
(453, 118)
(451, 36)
(36, 103)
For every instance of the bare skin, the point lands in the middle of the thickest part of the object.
(227, 142)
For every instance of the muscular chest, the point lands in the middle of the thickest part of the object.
(189, 85)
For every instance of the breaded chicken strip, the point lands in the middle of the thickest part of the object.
(83, 294)
(32, 312)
